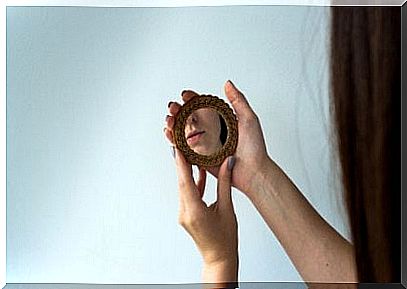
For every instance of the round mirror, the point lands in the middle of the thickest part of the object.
(205, 130)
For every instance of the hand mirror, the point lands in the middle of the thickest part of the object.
(205, 130)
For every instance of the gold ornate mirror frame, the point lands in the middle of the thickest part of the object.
(221, 107)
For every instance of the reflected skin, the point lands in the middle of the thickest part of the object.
(202, 131)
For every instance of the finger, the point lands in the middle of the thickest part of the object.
(201, 182)
(173, 107)
(188, 94)
(186, 185)
(170, 121)
(169, 135)
(214, 171)
(238, 101)
(224, 183)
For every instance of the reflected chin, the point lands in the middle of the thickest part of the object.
(201, 151)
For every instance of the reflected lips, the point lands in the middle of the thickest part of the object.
(194, 137)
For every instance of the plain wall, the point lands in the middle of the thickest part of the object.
(91, 184)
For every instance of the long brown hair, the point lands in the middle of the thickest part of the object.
(366, 103)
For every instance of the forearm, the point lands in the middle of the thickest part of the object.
(319, 253)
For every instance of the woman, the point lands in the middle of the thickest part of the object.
(204, 131)
(365, 83)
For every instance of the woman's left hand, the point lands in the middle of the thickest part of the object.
(214, 227)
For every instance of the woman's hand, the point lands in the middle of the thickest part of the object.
(316, 249)
(251, 156)
(214, 227)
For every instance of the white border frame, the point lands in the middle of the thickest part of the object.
(183, 3)
(120, 3)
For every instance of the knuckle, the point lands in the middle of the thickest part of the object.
(223, 183)
(250, 121)
(224, 176)
(252, 117)
(181, 220)
(193, 222)
(189, 221)
(168, 132)
(182, 184)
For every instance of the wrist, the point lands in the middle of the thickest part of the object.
(223, 272)
(261, 182)
(270, 180)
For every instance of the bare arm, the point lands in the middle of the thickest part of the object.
(319, 253)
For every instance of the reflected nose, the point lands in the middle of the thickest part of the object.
(192, 119)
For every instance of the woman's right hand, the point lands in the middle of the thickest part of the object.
(251, 156)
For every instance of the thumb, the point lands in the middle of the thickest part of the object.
(238, 101)
(224, 182)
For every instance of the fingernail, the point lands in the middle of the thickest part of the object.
(182, 93)
(173, 151)
(169, 104)
(231, 162)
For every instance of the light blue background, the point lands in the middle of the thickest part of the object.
(91, 186)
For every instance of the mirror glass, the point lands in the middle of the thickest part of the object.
(205, 131)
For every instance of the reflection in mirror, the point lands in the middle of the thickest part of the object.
(205, 131)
